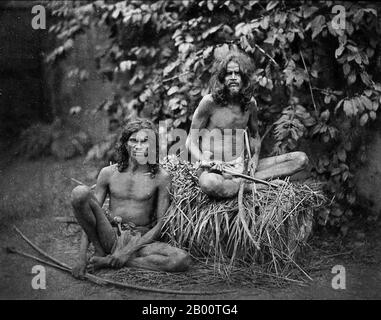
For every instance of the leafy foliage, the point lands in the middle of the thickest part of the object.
(315, 81)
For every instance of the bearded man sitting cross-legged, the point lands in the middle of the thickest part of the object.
(221, 120)
(139, 197)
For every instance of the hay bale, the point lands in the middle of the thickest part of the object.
(273, 228)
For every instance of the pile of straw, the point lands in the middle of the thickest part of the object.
(271, 231)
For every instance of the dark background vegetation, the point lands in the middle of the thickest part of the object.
(102, 63)
(65, 93)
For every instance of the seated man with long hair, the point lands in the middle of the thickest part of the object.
(138, 189)
(222, 120)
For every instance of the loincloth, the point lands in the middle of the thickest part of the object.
(129, 235)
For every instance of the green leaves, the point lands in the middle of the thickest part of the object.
(126, 65)
(308, 10)
(359, 104)
(364, 119)
(346, 69)
(271, 5)
(210, 31)
(350, 107)
(294, 75)
(317, 25)
(207, 52)
(292, 126)
(168, 69)
(173, 90)
(366, 102)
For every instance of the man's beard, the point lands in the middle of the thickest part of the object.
(233, 95)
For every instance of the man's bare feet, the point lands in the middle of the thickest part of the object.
(97, 263)
(79, 270)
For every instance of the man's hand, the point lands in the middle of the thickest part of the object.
(79, 270)
(218, 166)
(252, 167)
(206, 161)
(227, 176)
(215, 165)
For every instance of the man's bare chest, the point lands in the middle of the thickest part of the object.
(228, 118)
(132, 187)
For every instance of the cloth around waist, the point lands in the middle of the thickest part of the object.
(127, 225)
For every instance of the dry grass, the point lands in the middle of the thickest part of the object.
(271, 231)
(203, 276)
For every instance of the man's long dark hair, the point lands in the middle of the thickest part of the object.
(123, 155)
(220, 91)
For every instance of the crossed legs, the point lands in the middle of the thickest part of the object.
(157, 256)
(90, 215)
(217, 186)
(160, 256)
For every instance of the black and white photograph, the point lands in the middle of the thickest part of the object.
(190, 154)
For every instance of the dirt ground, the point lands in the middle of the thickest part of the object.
(34, 193)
